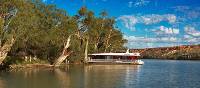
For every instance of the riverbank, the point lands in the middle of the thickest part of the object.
(31, 66)
(34, 65)
(25, 66)
(184, 52)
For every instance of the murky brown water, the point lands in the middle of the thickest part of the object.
(153, 74)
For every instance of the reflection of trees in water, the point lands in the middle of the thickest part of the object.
(29, 72)
(63, 77)
(72, 76)
(30, 78)
(109, 76)
(2, 83)
(95, 76)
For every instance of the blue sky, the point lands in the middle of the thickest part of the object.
(147, 23)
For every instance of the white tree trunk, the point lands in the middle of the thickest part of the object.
(86, 51)
(96, 43)
(5, 49)
(65, 53)
(107, 41)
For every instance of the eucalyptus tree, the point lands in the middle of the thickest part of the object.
(80, 37)
(10, 15)
(35, 28)
(44, 31)
(104, 36)
(86, 21)
(36, 21)
(113, 41)
(58, 27)
(72, 45)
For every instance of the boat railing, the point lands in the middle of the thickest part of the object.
(111, 60)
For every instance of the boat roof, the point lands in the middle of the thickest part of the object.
(115, 54)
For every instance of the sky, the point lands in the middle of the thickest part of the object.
(146, 23)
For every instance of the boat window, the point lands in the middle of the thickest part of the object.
(98, 57)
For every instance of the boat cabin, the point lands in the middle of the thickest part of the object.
(113, 58)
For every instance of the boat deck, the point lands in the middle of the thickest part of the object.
(112, 61)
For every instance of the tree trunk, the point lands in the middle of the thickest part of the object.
(107, 41)
(86, 51)
(96, 43)
(5, 49)
(65, 53)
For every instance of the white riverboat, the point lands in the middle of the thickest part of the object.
(115, 58)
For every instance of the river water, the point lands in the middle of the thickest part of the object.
(153, 74)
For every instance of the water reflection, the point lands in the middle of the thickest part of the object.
(72, 76)
(2, 83)
(96, 76)
(63, 78)
(110, 76)
(29, 78)
(153, 74)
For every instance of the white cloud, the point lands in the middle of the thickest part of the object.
(152, 19)
(156, 18)
(194, 41)
(192, 31)
(168, 39)
(191, 39)
(187, 36)
(149, 42)
(51, 1)
(171, 18)
(151, 39)
(130, 20)
(166, 31)
(130, 4)
(141, 3)
(44, 0)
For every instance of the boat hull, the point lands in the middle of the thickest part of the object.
(117, 62)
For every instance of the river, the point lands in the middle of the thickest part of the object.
(153, 74)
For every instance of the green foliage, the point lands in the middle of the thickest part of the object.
(13, 60)
(42, 30)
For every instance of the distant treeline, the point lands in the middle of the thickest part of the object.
(185, 52)
(31, 30)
